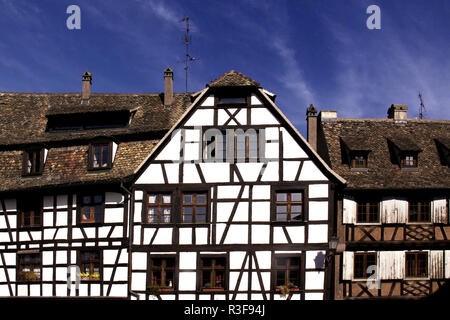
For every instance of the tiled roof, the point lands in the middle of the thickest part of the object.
(23, 119)
(404, 143)
(383, 172)
(234, 79)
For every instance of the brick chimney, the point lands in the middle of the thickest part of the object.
(398, 113)
(311, 122)
(86, 89)
(168, 87)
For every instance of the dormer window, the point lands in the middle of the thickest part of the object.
(358, 160)
(33, 161)
(232, 100)
(100, 155)
(409, 160)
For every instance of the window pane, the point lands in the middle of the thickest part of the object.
(98, 199)
(281, 197)
(296, 216)
(187, 218)
(281, 209)
(200, 218)
(166, 198)
(201, 198)
(281, 278)
(187, 198)
(296, 197)
(152, 198)
(296, 209)
(86, 215)
(201, 210)
(187, 210)
(282, 217)
(86, 199)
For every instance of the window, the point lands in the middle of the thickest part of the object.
(416, 264)
(100, 156)
(213, 273)
(30, 213)
(29, 267)
(288, 206)
(419, 211)
(287, 271)
(159, 207)
(358, 160)
(91, 208)
(33, 162)
(409, 160)
(232, 100)
(194, 207)
(361, 262)
(368, 211)
(90, 265)
(162, 272)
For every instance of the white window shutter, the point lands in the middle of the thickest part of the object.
(347, 265)
(349, 211)
(437, 264)
(439, 211)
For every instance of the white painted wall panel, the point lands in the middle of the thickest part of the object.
(271, 150)
(188, 260)
(138, 281)
(137, 212)
(315, 259)
(139, 260)
(48, 219)
(318, 233)
(318, 191)
(297, 234)
(192, 151)
(172, 170)
(241, 213)
(201, 236)
(391, 264)
(261, 211)
(241, 117)
(61, 257)
(264, 259)
(172, 149)
(271, 171)
(318, 210)
(261, 192)
(208, 102)
(185, 235)
(279, 236)
(237, 259)
(290, 169)
(190, 174)
(216, 172)
(153, 174)
(228, 192)
(313, 296)
(262, 116)
(164, 236)
(349, 212)
(148, 235)
(62, 218)
(314, 280)
(201, 117)
(187, 281)
(3, 224)
(114, 215)
(254, 100)
(347, 265)
(291, 148)
(224, 211)
(237, 234)
(311, 172)
(260, 234)
(249, 171)
(138, 194)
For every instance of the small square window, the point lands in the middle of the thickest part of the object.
(287, 271)
(419, 210)
(91, 208)
(194, 207)
(358, 160)
(90, 265)
(416, 264)
(162, 273)
(362, 262)
(30, 212)
(212, 271)
(409, 161)
(368, 211)
(29, 267)
(159, 208)
(289, 206)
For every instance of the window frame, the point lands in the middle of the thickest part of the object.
(365, 161)
(80, 261)
(301, 270)
(146, 206)
(80, 206)
(420, 214)
(30, 203)
(202, 268)
(37, 152)
(91, 150)
(150, 271)
(290, 189)
(403, 159)
(368, 203)
(427, 266)
(365, 264)
(207, 204)
(19, 266)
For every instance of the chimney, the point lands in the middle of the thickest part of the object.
(168, 87)
(328, 115)
(86, 90)
(311, 122)
(398, 113)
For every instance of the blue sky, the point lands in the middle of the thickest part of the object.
(311, 51)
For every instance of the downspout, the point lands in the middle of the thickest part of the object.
(131, 217)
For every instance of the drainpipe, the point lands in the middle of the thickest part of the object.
(131, 216)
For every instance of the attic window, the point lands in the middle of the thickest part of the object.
(33, 162)
(409, 160)
(404, 151)
(232, 100)
(100, 156)
(358, 159)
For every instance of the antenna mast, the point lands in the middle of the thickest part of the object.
(422, 106)
(188, 58)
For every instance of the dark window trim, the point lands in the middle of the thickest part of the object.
(100, 267)
(33, 171)
(92, 145)
(201, 269)
(289, 188)
(175, 270)
(368, 203)
(421, 213)
(19, 265)
(208, 205)
(416, 254)
(365, 264)
(80, 206)
(301, 269)
(146, 206)
(22, 204)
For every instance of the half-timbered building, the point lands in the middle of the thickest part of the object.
(392, 215)
(206, 195)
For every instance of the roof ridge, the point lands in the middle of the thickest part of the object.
(233, 78)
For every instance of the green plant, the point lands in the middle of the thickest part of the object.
(154, 289)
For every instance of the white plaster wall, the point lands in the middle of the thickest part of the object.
(291, 149)
(153, 174)
(318, 233)
(311, 172)
(314, 280)
(318, 210)
(172, 150)
(201, 117)
(260, 234)
(318, 191)
(262, 116)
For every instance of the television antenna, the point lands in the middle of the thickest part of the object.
(188, 58)
(422, 106)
